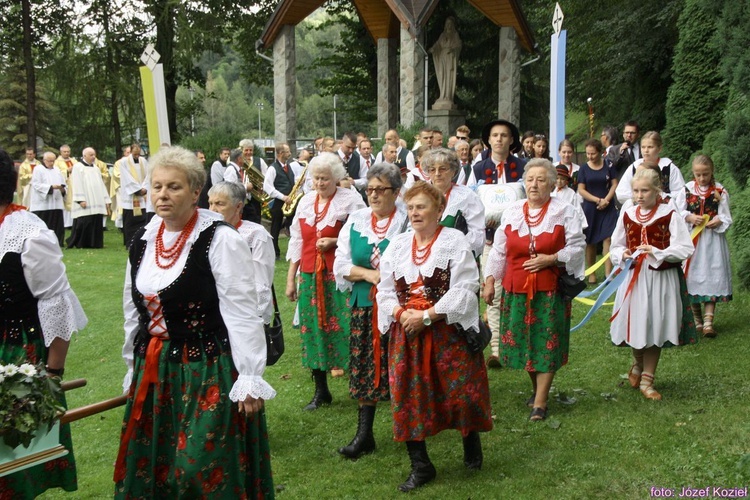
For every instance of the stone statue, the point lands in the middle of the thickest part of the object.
(445, 58)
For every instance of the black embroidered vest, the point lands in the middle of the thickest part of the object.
(190, 304)
(18, 307)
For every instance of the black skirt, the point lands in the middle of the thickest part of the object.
(87, 232)
(54, 221)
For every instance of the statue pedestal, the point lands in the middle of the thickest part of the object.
(447, 120)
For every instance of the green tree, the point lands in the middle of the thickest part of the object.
(696, 95)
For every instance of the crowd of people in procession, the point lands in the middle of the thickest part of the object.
(389, 255)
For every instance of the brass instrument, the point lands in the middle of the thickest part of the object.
(295, 194)
(256, 178)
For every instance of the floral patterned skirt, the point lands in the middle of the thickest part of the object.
(328, 347)
(537, 341)
(453, 395)
(191, 441)
(60, 473)
(362, 359)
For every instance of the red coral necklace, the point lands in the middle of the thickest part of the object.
(535, 220)
(380, 233)
(420, 255)
(172, 254)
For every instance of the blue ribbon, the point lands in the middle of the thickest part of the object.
(610, 285)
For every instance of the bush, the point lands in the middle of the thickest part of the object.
(696, 94)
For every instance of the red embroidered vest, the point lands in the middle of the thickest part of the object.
(657, 235)
(518, 252)
(309, 238)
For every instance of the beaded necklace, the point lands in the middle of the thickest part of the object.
(643, 219)
(420, 255)
(320, 215)
(380, 233)
(535, 220)
(172, 254)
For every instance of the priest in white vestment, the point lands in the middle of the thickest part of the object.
(90, 202)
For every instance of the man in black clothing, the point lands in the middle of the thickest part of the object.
(624, 154)
(277, 184)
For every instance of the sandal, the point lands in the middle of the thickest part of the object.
(648, 391)
(537, 414)
(530, 401)
(633, 379)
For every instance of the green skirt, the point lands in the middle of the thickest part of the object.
(537, 341)
(191, 441)
(60, 473)
(328, 347)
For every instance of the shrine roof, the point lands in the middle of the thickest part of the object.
(382, 18)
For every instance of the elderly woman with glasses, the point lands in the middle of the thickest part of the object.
(362, 241)
(323, 310)
(464, 210)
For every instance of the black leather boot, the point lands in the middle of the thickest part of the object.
(473, 451)
(363, 441)
(322, 395)
(422, 470)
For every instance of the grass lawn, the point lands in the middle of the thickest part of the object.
(602, 439)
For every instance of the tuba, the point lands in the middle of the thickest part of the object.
(295, 194)
(256, 178)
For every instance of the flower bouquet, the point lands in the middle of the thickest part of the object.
(29, 403)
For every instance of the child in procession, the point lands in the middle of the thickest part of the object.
(708, 272)
(651, 305)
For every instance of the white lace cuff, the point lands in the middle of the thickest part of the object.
(460, 307)
(60, 316)
(251, 385)
(341, 270)
(385, 308)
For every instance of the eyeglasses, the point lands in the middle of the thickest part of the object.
(438, 170)
(380, 191)
(462, 138)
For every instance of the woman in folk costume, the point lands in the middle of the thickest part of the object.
(708, 272)
(651, 306)
(195, 424)
(464, 210)
(228, 199)
(428, 289)
(323, 310)
(537, 239)
(38, 315)
(362, 242)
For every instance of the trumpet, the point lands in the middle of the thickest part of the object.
(295, 194)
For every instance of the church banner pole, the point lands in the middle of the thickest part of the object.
(557, 84)
(154, 100)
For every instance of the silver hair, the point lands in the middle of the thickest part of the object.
(183, 160)
(460, 142)
(235, 155)
(545, 164)
(386, 145)
(328, 162)
(387, 172)
(231, 190)
(247, 143)
(440, 156)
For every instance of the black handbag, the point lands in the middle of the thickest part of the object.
(274, 334)
(477, 340)
(569, 285)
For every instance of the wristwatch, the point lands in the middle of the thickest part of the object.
(426, 321)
